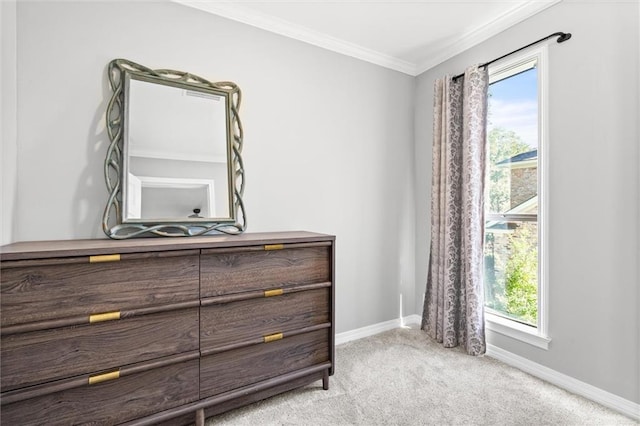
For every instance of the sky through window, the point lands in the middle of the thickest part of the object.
(513, 105)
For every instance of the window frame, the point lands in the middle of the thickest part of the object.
(537, 336)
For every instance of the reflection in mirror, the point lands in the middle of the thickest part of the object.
(173, 167)
(164, 153)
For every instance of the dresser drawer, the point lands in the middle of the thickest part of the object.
(68, 287)
(224, 272)
(110, 402)
(245, 320)
(47, 355)
(233, 369)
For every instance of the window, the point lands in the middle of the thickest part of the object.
(514, 250)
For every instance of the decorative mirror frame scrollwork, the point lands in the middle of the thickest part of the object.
(113, 164)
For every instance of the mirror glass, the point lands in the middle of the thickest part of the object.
(176, 153)
(173, 167)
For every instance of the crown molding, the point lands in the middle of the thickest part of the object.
(517, 14)
(435, 56)
(266, 22)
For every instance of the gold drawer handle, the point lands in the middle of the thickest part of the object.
(104, 377)
(273, 337)
(108, 316)
(268, 247)
(104, 258)
(271, 293)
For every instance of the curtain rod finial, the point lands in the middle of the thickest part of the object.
(564, 37)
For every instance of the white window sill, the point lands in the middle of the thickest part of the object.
(515, 330)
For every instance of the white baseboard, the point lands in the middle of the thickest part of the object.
(380, 327)
(622, 405)
(414, 319)
(617, 403)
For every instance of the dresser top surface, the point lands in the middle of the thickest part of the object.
(68, 248)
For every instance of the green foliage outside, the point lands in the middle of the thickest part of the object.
(521, 277)
(511, 260)
(511, 267)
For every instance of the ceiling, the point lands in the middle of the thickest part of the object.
(409, 36)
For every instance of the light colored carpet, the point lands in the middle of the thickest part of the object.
(401, 377)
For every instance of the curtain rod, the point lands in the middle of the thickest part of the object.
(561, 37)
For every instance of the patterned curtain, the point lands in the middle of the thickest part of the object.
(454, 302)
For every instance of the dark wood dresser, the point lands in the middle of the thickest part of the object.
(161, 330)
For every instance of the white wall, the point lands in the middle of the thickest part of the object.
(328, 139)
(594, 112)
(8, 147)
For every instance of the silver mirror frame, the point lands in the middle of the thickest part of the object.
(113, 164)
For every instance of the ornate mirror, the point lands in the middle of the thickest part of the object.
(174, 165)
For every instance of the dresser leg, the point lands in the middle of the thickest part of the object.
(200, 417)
(325, 380)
